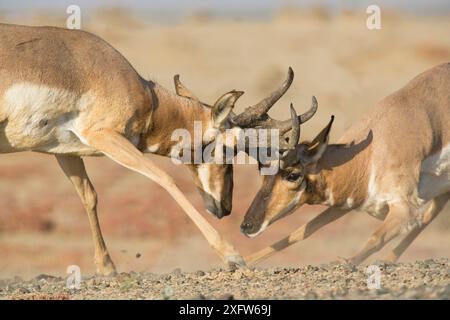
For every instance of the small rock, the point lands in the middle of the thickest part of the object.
(199, 273)
(341, 291)
(43, 276)
(176, 271)
(226, 296)
(381, 291)
(311, 295)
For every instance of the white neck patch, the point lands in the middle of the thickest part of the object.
(210, 187)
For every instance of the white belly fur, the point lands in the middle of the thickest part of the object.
(434, 181)
(42, 118)
(435, 174)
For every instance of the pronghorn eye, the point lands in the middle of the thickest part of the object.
(294, 176)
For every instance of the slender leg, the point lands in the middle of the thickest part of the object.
(391, 227)
(119, 149)
(436, 207)
(74, 169)
(324, 218)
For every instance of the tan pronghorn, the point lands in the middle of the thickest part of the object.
(69, 93)
(394, 164)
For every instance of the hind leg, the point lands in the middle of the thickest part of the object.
(436, 207)
(74, 169)
(396, 218)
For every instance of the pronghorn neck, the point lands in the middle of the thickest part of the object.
(171, 112)
(343, 175)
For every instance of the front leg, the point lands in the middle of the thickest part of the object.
(119, 149)
(74, 169)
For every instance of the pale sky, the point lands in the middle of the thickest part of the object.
(240, 7)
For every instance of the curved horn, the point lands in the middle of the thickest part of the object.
(309, 114)
(255, 112)
(286, 125)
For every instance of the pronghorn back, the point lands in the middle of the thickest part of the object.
(55, 83)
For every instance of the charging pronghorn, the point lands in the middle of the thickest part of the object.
(394, 164)
(69, 93)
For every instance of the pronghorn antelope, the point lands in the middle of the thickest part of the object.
(69, 93)
(394, 164)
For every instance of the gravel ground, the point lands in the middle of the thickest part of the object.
(429, 279)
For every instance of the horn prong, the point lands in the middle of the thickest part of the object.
(295, 129)
(285, 125)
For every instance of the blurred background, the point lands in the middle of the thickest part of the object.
(217, 46)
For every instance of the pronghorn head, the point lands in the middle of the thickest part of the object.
(215, 180)
(292, 186)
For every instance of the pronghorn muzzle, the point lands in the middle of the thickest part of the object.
(219, 209)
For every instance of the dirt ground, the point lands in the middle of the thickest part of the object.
(43, 228)
(429, 279)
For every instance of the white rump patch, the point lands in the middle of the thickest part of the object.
(29, 97)
(46, 116)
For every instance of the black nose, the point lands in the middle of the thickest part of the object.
(246, 227)
(217, 209)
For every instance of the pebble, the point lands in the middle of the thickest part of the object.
(226, 296)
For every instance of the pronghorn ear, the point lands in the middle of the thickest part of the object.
(314, 151)
(181, 90)
(223, 106)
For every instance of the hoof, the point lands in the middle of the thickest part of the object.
(106, 270)
(106, 273)
(104, 266)
(235, 262)
(346, 261)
